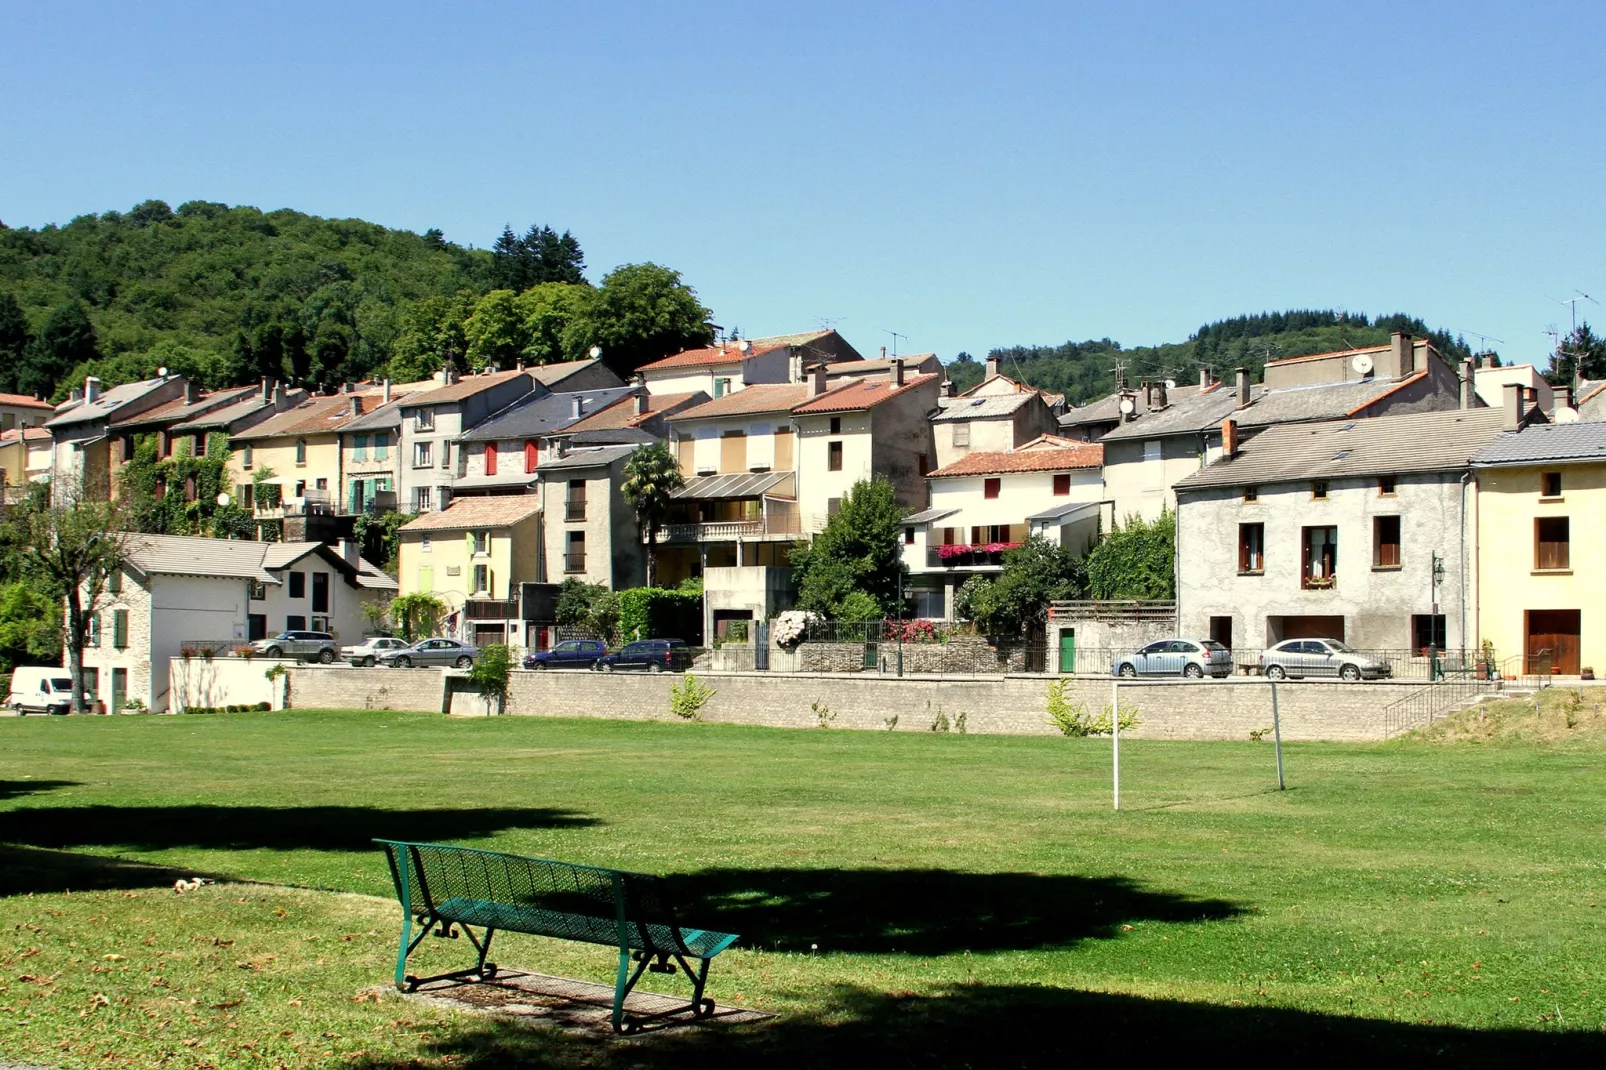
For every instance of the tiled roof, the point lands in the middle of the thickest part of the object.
(1067, 511)
(1331, 353)
(622, 413)
(1039, 459)
(858, 395)
(26, 401)
(926, 516)
(1382, 445)
(633, 436)
(551, 375)
(921, 362)
(179, 410)
(109, 401)
(190, 555)
(1321, 401)
(1546, 442)
(1019, 388)
(982, 408)
(763, 397)
(466, 387)
(1187, 415)
(465, 513)
(383, 418)
(226, 414)
(539, 413)
(24, 434)
(512, 479)
(1108, 408)
(319, 415)
(590, 457)
(730, 352)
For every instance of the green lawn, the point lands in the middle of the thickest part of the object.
(912, 899)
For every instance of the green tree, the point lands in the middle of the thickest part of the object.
(66, 339)
(14, 339)
(651, 475)
(1034, 574)
(1581, 353)
(859, 550)
(641, 312)
(1137, 560)
(30, 627)
(548, 309)
(495, 331)
(417, 616)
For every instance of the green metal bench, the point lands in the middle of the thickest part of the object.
(446, 888)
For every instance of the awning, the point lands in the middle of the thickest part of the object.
(1067, 513)
(928, 516)
(512, 479)
(739, 485)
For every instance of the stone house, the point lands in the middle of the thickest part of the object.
(500, 455)
(433, 422)
(84, 451)
(984, 421)
(589, 532)
(473, 555)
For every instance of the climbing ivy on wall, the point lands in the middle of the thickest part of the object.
(178, 495)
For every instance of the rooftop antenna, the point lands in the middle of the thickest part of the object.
(1572, 303)
(1483, 339)
(1120, 373)
(895, 337)
(828, 323)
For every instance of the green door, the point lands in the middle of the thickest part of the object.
(1067, 650)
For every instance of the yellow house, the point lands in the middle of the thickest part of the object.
(1538, 487)
(300, 447)
(473, 555)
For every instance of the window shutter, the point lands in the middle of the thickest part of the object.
(120, 629)
(530, 459)
(490, 458)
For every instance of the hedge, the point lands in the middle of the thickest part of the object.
(660, 614)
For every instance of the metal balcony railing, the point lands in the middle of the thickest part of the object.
(574, 510)
(574, 562)
(730, 530)
(491, 609)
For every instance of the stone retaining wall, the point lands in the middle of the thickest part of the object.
(342, 688)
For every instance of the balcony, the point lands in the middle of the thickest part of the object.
(960, 555)
(311, 503)
(781, 523)
(491, 609)
(574, 509)
(574, 562)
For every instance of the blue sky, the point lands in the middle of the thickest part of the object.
(967, 175)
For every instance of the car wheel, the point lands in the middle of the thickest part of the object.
(1193, 672)
(539, 666)
(655, 667)
(369, 662)
(465, 662)
(1276, 672)
(403, 663)
(326, 657)
(1351, 673)
(1127, 671)
(607, 666)
(274, 652)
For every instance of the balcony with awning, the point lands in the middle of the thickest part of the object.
(745, 506)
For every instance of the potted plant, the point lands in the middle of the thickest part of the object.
(186, 652)
(1485, 666)
(246, 651)
(1586, 673)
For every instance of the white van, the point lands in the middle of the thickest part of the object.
(40, 689)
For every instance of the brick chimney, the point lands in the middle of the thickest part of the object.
(192, 391)
(1511, 403)
(1564, 397)
(897, 372)
(1159, 393)
(950, 388)
(1242, 375)
(1402, 353)
(1229, 437)
(992, 369)
(816, 380)
(1469, 393)
(91, 389)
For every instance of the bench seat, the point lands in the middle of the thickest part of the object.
(535, 921)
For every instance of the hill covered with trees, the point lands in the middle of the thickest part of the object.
(1084, 371)
(227, 294)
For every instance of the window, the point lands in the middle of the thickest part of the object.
(423, 499)
(295, 624)
(321, 483)
(833, 506)
(833, 456)
(948, 536)
(1251, 494)
(93, 638)
(423, 457)
(256, 590)
(990, 486)
(1062, 484)
(446, 454)
(359, 448)
(1252, 548)
(247, 459)
(482, 579)
(961, 433)
(301, 488)
(1427, 631)
(481, 541)
(120, 629)
(1550, 485)
(490, 458)
(836, 425)
(1320, 557)
(908, 536)
(425, 545)
(1552, 543)
(301, 451)
(574, 507)
(925, 464)
(1385, 542)
(298, 585)
(114, 581)
(1385, 486)
(424, 420)
(1318, 489)
(574, 558)
(382, 445)
(532, 456)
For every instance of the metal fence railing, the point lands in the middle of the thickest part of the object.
(1420, 707)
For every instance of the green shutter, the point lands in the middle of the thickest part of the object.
(120, 629)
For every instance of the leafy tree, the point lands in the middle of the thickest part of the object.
(1136, 561)
(641, 313)
(574, 601)
(548, 309)
(1582, 353)
(417, 616)
(30, 627)
(66, 339)
(1034, 574)
(495, 331)
(859, 550)
(14, 339)
(651, 475)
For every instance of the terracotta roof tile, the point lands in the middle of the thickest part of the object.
(730, 353)
(316, 416)
(764, 397)
(466, 387)
(858, 394)
(27, 401)
(497, 511)
(24, 434)
(1042, 458)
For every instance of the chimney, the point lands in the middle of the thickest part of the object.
(267, 390)
(579, 406)
(192, 391)
(641, 381)
(1242, 375)
(350, 551)
(1159, 391)
(278, 396)
(1564, 399)
(950, 389)
(1204, 378)
(387, 393)
(1468, 393)
(1229, 437)
(91, 389)
(883, 352)
(346, 388)
(992, 368)
(1486, 360)
(1512, 404)
(897, 372)
(641, 402)
(77, 394)
(1419, 354)
(356, 405)
(816, 380)
(1400, 349)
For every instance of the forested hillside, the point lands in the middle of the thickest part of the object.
(1083, 371)
(227, 294)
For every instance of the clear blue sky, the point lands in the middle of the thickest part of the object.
(969, 175)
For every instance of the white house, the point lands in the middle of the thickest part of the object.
(726, 367)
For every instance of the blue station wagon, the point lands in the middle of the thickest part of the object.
(569, 654)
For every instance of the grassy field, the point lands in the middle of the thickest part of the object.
(912, 899)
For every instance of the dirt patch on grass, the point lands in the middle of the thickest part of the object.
(1553, 715)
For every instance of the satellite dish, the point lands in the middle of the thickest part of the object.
(746, 346)
(1128, 406)
(1170, 384)
(1361, 363)
(595, 351)
(1564, 415)
(224, 499)
(161, 372)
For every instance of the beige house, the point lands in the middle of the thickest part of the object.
(864, 428)
(589, 531)
(21, 410)
(25, 454)
(734, 365)
(84, 451)
(473, 555)
(992, 417)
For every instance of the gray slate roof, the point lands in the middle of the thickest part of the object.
(1187, 415)
(1382, 445)
(982, 408)
(106, 404)
(1108, 407)
(384, 418)
(192, 555)
(1317, 401)
(588, 457)
(1543, 443)
(532, 415)
(618, 436)
(500, 481)
(222, 417)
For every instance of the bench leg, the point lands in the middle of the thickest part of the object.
(408, 944)
(627, 979)
(700, 1007)
(485, 969)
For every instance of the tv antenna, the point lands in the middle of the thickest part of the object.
(895, 336)
(1120, 373)
(1572, 304)
(828, 323)
(1483, 339)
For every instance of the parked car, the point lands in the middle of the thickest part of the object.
(569, 654)
(40, 689)
(303, 646)
(431, 652)
(1193, 658)
(367, 652)
(1297, 658)
(649, 655)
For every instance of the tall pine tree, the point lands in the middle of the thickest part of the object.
(14, 339)
(66, 340)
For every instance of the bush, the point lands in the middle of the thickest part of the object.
(657, 613)
(1136, 561)
(858, 606)
(491, 669)
(1074, 718)
(688, 697)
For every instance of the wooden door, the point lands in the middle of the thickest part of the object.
(1553, 641)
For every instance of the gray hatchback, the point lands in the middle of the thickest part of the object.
(431, 652)
(1321, 657)
(1193, 658)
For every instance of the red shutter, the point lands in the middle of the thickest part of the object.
(490, 458)
(990, 487)
(530, 459)
(1062, 484)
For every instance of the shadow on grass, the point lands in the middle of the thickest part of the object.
(288, 828)
(13, 789)
(923, 911)
(27, 869)
(1011, 1026)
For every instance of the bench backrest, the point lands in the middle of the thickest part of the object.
(427, 874)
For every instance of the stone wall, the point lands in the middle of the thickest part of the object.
(341, 688)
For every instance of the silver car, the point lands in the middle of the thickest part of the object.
(1193, 658)
(1296, 658)
(367, 652)
(303, 646)
(431, 652)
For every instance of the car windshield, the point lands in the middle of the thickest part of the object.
(1212, 646)
(1340, 646)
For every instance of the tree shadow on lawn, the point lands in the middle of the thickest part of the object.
(12, 789)
(1010, 1026)
(25, 870)
(923, 911)
(287, 828)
